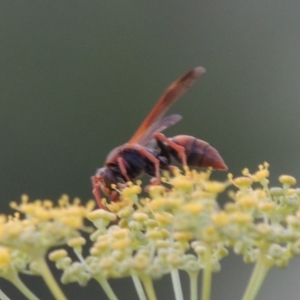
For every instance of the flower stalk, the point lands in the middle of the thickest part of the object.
(139, 288)
(3, 296)
(17, 282)
(258, 276)
(176, 284)
(148, 285)
(207, 274)
(49, 279)
(106, 288)
(193, 285)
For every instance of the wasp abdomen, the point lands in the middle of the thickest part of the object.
(198, 153)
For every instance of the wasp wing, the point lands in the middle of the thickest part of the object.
(158, 126)
(175, 91)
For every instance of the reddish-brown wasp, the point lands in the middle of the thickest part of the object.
(149, 150)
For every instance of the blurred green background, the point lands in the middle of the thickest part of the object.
(78, 77)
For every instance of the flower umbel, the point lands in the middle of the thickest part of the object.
(178, 228)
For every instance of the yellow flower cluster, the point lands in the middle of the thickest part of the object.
(177, 226)
(36, 227)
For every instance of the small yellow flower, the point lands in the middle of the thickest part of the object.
(288, 180)
(140, 217)
(57, 254)
(76, 242)
(183, 236)
(180, 182)
(164, 218)
(101, 214)
(156, 190)
(5, 258)
(220, 219)
(241, 218)
(242, 182)
(193, 208)
(266, 206)
(121, 244)
(158, 203)
(210, 234)
(215, 187)
(141, 262)
(154, 234)
(248, 201)
(260, 175)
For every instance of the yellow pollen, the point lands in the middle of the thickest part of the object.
(4, 258)
(220, 219)
(246, 172)
(128, 191)
(260, 175)
(123, 223)
(121, 244)
(24, 198)
(141, 262)
(183, 236)
(210, 234)
(156, 190)
(114, 207)
(193, 208)
(214, 187)
(241, 218)
(164, 218)
(231, 207)
(154, 234)
(107, 263)
(125, 212)
(57, 254)
(288, 180)
(182, 183)
(121, 233)
(157, 203)
(266, 206)
(140, 217)
(243, 181)
(291, 192)
(101, 214)
(248, 202)
(76, 242)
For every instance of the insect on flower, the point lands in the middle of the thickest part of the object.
(149, 151)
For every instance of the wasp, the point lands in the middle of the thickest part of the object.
(149, 150)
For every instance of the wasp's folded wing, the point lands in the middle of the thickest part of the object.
(159, 126)
(174, 92)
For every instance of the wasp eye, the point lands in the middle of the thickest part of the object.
(106, 176)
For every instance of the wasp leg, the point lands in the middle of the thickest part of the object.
(96, 192)
(164, 150)
(179, 149)
(121, 164)
(153, 159)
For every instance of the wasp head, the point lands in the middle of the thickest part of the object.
(105, 179)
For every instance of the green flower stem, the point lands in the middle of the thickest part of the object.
(18, 283)
(139, 288)
(107, 288)
(3, 296)
(207, 274)
(49, 279)
(176, 284)
(258, 276)
(148, 285)
(193, 285)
